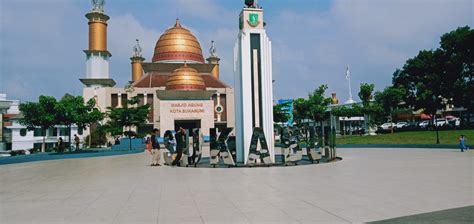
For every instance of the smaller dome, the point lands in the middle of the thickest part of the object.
(185, 78)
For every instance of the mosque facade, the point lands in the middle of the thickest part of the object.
(182, 88)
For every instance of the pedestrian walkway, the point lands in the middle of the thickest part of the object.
(367, 185)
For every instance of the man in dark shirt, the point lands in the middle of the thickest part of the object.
(180, 144)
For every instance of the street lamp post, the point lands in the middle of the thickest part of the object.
(434, 121)
(129, 133)
(437, 135)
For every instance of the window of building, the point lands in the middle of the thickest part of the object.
(38, 132)
(63, 131)
(124, 99)
(52, 131)
(141, 99)
(80, 131)
(23, 132)
(114, 100)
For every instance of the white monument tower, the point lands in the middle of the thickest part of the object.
(253, 81)
(97, 56)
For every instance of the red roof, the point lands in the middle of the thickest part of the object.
(158, 79)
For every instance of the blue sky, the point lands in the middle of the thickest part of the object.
(41, 42)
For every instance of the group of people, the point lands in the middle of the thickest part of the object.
(179, 139)
(60, 143)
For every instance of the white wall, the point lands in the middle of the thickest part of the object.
(97, 66)
(26, 142)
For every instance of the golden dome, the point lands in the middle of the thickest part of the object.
(185, 78)
(178, 44)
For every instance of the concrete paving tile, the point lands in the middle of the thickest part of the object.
(367, 185)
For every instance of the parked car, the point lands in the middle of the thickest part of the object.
(454, 122)
(401, 125)
(441, 122)
(5, 154)
(387, 126)
(424, 124)
(411, 125)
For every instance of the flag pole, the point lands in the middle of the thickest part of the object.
(348, 77)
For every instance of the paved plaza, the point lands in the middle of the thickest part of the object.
(367, 185)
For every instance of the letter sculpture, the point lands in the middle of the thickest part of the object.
(219, 148)
(263, 154)
(169, 143)
(312, 149)
(198, 141)
(292, 152)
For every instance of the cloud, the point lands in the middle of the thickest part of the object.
(123, 30)
(374, 37)
(41, 50)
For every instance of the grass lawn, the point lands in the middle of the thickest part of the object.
(412, 137)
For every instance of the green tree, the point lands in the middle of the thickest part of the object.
(279, 112)
(421, 79)
(300, 110)
(346, 111)
(130, 115)
(365, 93)
(368, 108)
(41, 114)
(318, 105)
(457, 49)
(88, 116)
(389, 100)
(443, 73)
(73, 110)
(99, 135)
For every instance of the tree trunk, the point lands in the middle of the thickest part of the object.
(70, 143)
(130, 136)
(90, 136)
(43, 145)
(391, 122)
(322, 133)
(366, 118)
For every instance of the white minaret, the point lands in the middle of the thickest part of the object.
(97, 56)
(253, 81)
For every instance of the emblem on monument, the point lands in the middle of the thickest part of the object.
(253, 20)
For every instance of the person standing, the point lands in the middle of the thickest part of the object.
(462, 143)
(60, 145)
(155, 148)
(77, 141)
(180, 144)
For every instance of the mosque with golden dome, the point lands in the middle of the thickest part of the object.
(181, 87)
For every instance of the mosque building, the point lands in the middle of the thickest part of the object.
(181, 87)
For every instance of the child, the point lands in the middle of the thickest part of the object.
(462, 143)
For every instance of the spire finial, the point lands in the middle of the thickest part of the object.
(178, 23)
(98, 5)
(137, 50)
(213, 50)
